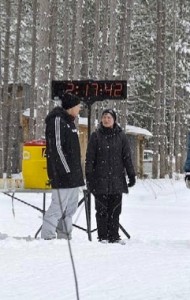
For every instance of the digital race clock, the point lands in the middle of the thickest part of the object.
(90, 90)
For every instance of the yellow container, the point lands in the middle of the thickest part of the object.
(34, 168)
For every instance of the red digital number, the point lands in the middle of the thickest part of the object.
(95, 87)
(70, 88)
(87, 90)
(108, 89)
(117, 89)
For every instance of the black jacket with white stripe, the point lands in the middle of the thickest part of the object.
(63, 150)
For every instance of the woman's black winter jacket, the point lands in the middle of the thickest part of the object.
(63, 150)
(108, 160)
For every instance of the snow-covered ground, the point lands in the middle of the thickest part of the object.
(153, 265)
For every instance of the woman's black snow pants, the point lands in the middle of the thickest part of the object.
(108, 209)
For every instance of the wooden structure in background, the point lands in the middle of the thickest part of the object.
(137, 137)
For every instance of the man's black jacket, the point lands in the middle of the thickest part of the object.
(63, 150)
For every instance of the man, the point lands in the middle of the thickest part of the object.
(63, 167)
(187, 163)
(108, 158)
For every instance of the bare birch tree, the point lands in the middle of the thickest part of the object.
(177, 135)
(74, 20)
(173, 94)
(183, 96)
(112, 39)
(180, 120)
(95, 56)
(53, 45)
(6, 99)
(96, 40)
(66, 20)
(43, 68)
(125, 60)
(163, 139)
(14, 126)
(78, 40)
(121, 38)
(78, 43)
(104, 42)
(85, 49)
(156, 127)
(1, 117)
(32, 102)
(104, 47)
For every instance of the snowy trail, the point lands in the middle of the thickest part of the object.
(153, 265)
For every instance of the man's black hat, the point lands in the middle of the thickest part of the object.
(69, 101)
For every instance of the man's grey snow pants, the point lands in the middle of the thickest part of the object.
(58, 217)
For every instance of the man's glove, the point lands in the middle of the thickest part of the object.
(187, 181)
(132, 181)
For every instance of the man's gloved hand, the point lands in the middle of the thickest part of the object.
(187, 181)
(187, 177)
(132, 181)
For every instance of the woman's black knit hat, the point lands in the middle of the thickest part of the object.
(111, 112)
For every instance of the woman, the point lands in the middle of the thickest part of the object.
(108, 160)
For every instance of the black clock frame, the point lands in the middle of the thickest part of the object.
(90, 90)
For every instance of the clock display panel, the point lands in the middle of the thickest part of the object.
(90, 90)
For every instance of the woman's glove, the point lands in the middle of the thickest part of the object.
(132, 181)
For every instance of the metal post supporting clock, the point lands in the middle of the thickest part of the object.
(90, 91)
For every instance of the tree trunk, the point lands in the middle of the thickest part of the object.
(66, 40)
(53, 46)
(78, 40)
(173, 95)
(85, 51)
(1, 118)
(104, 51)
(74, 20)
(121, 39)
(13, 155)
(163, 139)
(6, 99)
(104, 43)
(32, 102)
(95, 58)
(156, 126)
(112, 37)
(43, 69)
(96, 40)
(125, 62)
